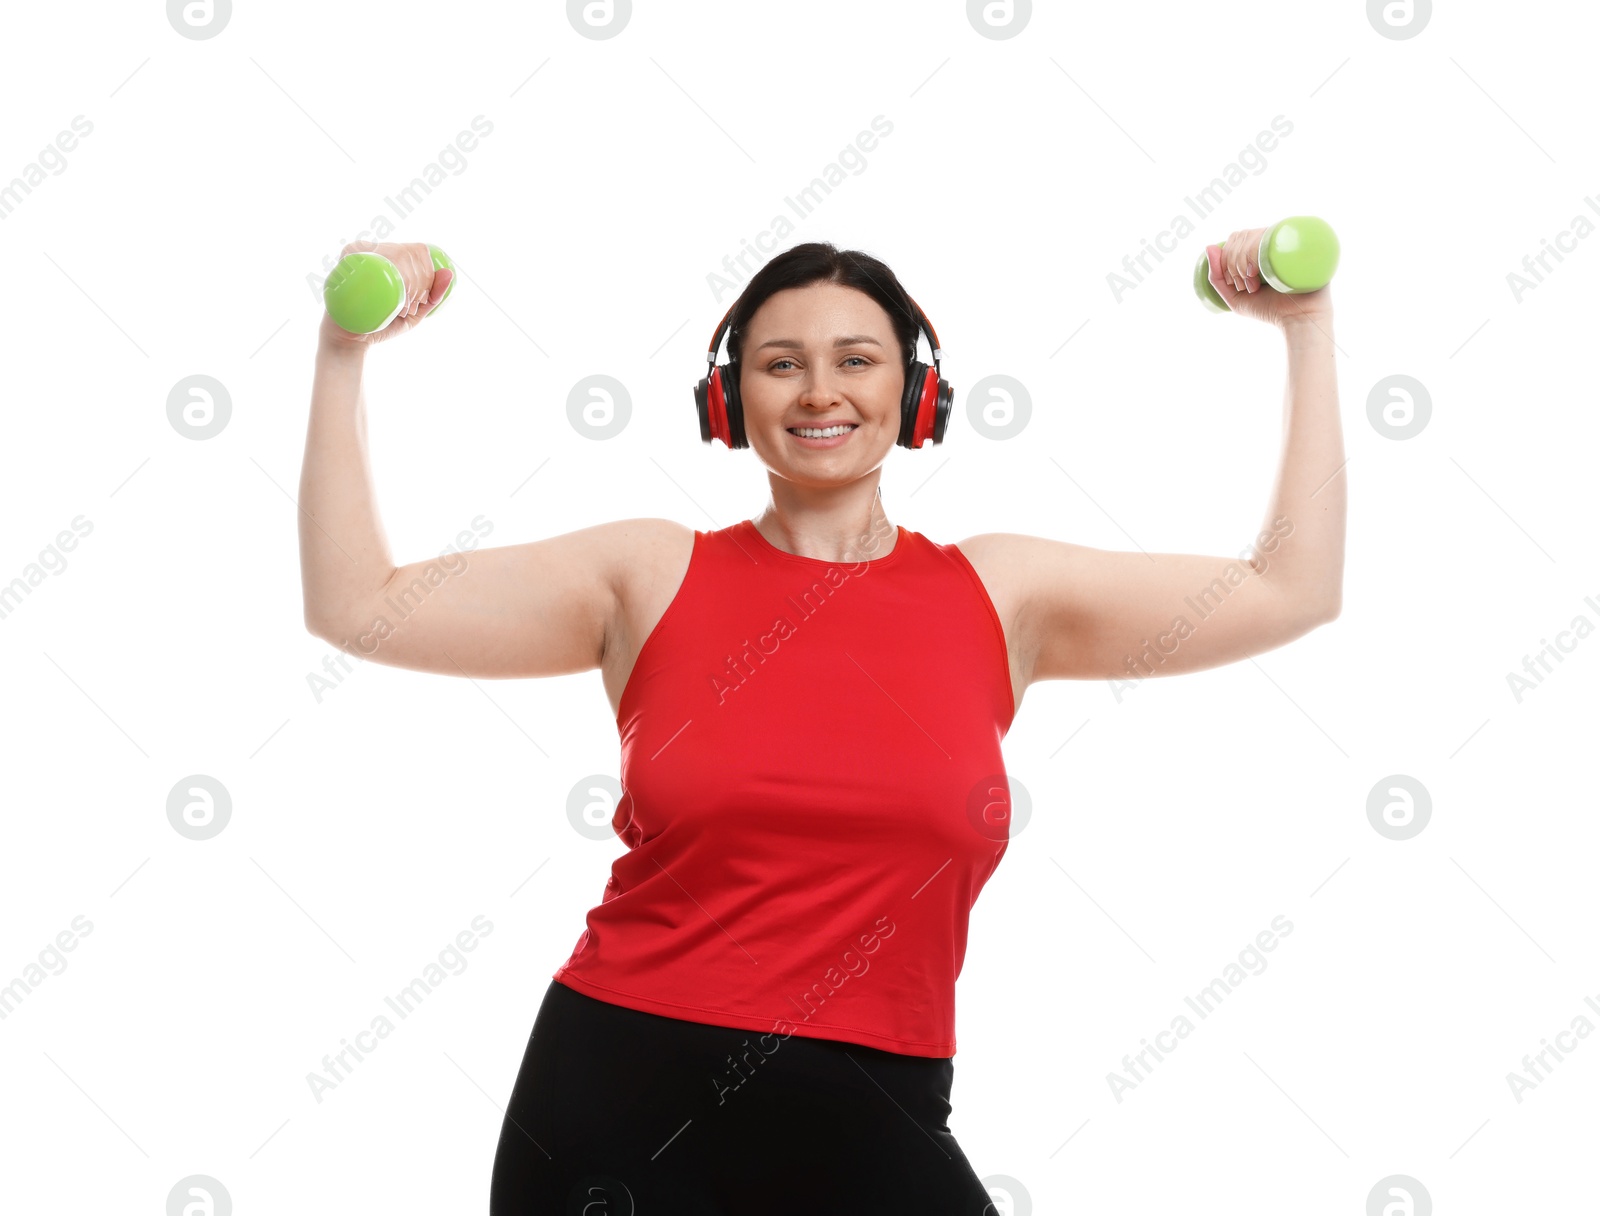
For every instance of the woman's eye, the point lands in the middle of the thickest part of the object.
(862, 359)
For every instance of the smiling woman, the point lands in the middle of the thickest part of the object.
(851, 294)
(852, 790)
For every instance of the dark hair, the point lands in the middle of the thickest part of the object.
(820, 262)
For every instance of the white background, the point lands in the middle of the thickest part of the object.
(370, 827)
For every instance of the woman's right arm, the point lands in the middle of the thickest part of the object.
(542, 608)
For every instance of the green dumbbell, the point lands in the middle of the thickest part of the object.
(1296, 255)
(365, 291)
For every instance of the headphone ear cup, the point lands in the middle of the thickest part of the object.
(733, 406)
(716, 401)
(702, 406)
(944, 402)
(916, 383)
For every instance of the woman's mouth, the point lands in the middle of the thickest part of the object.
(822, 437)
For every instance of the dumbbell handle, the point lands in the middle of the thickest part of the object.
(1296, 255)
(366, 290)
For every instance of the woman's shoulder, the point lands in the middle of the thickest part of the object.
(653, 539)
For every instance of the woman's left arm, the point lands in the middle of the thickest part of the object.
(1084, 613)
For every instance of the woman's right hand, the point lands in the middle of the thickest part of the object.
(425, 287)
(1236, 277)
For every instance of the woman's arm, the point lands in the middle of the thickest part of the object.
(541, 608)
(1310, 489)
(1083, 613)
(344, 554)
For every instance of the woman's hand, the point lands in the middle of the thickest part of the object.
(425, 287)
(1237, 279)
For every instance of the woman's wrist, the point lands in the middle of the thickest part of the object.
(337, 350)
(1308, 328)
(341, 367)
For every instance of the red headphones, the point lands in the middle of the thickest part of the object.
(924, 408)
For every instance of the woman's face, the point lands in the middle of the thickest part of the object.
(816, 357)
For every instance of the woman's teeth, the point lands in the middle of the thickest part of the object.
(811, 432)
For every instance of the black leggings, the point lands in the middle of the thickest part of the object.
(616, 1112)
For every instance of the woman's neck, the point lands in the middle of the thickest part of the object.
(843, 533)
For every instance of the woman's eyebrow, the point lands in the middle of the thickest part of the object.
(791, 344)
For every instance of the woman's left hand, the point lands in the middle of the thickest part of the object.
(1237, 279)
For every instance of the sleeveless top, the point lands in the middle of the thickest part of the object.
(813, 796)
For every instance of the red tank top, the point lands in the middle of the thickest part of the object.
(810, 770)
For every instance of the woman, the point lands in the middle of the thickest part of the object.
(759, 1014)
